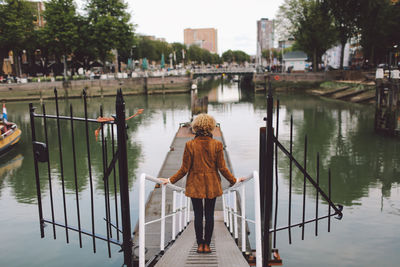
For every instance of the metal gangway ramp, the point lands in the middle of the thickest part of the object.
(225, 252)
(166, 223)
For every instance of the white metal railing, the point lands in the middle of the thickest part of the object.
(231, 215)
(224, 70)
(180, 207)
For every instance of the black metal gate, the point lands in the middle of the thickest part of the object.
(117, 149)
(269, 145)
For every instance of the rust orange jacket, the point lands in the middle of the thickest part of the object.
(202, 159)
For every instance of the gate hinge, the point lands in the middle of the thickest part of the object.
(40, 151)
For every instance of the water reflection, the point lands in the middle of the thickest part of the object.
(24, 186)
(365, 166)
(342, 134)
(10, 164)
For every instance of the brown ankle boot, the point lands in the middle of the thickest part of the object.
(207, 249)
(200, 248)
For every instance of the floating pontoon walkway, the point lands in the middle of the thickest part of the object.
(182, 251)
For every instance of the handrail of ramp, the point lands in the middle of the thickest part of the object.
(229, 204)
(180, 208)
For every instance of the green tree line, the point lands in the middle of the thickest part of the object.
(66, 34)
(72, 39)
(317, 25)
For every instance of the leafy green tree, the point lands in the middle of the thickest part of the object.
(227, 56)
(379, 23)
(83, 53)
(145, 48)
(60, 31)
(314, 31)
(16, 28)
(178, 48)
(237, 56)
(109, 27)
(197, 55)
(270, 54)
(344, 14)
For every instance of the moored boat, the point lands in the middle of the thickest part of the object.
(10, 135)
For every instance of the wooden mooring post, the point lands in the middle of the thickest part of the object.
(387, 104)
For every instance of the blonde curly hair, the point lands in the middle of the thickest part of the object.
(203, 123)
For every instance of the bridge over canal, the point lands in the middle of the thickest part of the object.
(223, 71)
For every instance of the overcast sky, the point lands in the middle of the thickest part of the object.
(236, 21)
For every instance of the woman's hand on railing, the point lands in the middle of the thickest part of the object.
(241, 179)
(164, 180)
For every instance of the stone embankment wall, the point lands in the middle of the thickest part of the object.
(299, 77)
(129, 86)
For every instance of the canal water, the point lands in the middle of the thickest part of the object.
(365, 176)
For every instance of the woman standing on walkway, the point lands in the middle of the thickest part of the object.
(202, 159)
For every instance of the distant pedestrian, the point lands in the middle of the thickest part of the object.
(202, 159)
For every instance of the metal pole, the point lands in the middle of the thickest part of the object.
(39, 195)
(230, 212)
(185, 222)
(235, 216)
(142, 221)
(224, 207)
(180, 210)
(188, 210)
(162, 238)
(174, 215)
(243, 211)
(123, 179)
(257, 213)
(269, 174)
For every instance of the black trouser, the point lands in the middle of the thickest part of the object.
(208, 211)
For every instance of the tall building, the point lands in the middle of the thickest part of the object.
(205, 38)
(265, 36)
(38, 9)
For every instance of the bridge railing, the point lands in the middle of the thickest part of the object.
(231, 215)
(223, 70)
(180, 208)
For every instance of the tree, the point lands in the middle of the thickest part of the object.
(314, 31)
(178, 48)
(344, 14)
(286, 18)
(61, 31)
(109, 27)
(16, 28)
(237, 56)
(378, 24)
(83, 53)
(270, 54)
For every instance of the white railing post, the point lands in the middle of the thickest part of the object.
(224, 207)
(141, 220)
(230, 212)
(174, 215)
(185, 214)
(243, 211)
(235, 215)
(227, 209)
(257, 213)
(180, 210)
(162, 237)
(188, 210)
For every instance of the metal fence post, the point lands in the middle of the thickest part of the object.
(39, 195)
(123, 179)
(267, 158)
